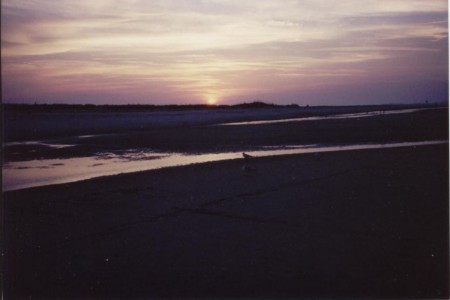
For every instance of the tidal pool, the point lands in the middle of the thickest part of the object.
(329, 117)
(25, 174)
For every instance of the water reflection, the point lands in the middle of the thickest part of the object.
(19, 175)
(329, 117)
(38, 143)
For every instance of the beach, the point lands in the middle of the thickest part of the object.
(225, 150)
(366, 223)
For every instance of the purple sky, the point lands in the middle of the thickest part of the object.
(316, 52)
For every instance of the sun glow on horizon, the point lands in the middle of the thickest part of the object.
(211, 100)
(214, 52)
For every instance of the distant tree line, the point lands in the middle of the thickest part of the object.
(135, 107)
(152, 107)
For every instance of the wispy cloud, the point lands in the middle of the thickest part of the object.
(168, 51)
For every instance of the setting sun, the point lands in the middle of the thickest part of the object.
(211, 100)
(215, 52)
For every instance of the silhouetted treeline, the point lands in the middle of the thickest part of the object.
(151, 107)
(135, 107)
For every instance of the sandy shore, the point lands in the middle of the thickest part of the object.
(370, 223)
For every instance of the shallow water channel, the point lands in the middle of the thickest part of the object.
(330, 117)
(25, 174)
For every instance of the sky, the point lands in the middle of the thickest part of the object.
(306, 52)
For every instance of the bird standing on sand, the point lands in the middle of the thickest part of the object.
(246, 167)
(246, 156)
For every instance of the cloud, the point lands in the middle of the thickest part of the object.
(223, 47)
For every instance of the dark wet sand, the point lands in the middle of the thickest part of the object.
(370, 223)
(189, 137)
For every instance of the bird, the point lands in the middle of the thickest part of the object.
(246, 167)
(246, 156)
